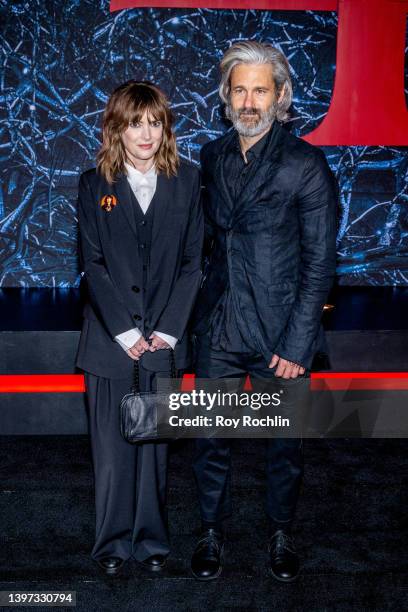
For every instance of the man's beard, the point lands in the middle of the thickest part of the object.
(263, 122)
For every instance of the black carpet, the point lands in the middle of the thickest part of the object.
(351, 530)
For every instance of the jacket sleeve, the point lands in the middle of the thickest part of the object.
(317, 205)
(174, 319)
(103, 295)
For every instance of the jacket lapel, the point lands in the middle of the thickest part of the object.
(225, 212)
(264, 172)
(122, 192)
(220, 180)
(163, 198)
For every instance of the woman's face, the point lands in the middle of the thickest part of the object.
(142, 140)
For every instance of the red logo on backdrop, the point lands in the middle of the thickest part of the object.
(368, 104)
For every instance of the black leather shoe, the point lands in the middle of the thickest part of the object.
(155, 563)
(283, 557)
(111, 565)
(206, 562)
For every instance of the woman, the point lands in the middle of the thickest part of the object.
(141, 231)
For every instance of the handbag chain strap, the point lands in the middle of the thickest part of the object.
(136, 372)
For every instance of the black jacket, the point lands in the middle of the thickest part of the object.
(112, 268)
(275, 247)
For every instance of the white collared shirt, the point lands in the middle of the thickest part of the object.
(142, 185)
(144, 188)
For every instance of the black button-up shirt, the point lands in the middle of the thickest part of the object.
(237, 171)
(225, 333)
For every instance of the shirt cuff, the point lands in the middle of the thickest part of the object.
(128, 338)
(171, 340)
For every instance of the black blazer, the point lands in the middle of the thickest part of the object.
(275, 246)
(111, 266)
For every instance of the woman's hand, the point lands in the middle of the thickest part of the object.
(138, 349)
(158, 343)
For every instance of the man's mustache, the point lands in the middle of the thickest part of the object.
(248, 111)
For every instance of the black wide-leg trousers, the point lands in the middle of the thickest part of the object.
(130, 479)
(212, 462)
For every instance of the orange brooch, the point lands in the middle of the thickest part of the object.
(108, 202)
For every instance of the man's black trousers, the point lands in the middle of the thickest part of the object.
(211, 464)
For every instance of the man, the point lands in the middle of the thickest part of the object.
(269, 203)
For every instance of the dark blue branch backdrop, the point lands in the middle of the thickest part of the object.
(61, 60)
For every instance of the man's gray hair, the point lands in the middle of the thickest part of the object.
(252, 52)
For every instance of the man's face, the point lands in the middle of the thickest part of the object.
(253, 102)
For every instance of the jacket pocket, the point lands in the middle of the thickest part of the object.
(280, 294)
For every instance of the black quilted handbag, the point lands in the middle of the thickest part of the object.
(139, 410)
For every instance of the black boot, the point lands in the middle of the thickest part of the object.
(206, 562)
(283, 557)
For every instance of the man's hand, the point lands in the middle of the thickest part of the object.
(158, 343)
(285, 368)
(138, 349)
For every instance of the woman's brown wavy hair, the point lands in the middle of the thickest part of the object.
(127, 104)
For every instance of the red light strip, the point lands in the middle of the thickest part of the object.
(42, 383)
(359, 375)
(359, 381)
(279, 5)
(320, 381)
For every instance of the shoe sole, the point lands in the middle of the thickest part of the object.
(152, 568)
(208, 578)
(280, 579)
(111, 572)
